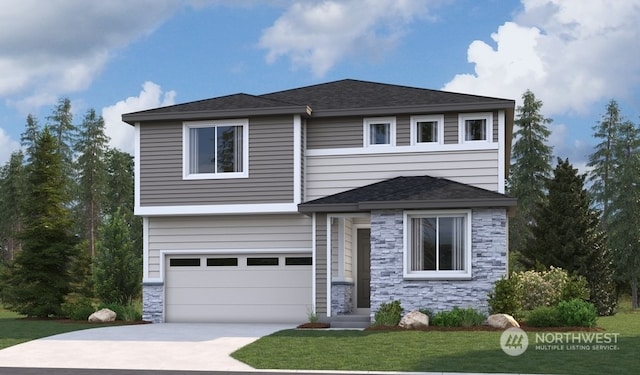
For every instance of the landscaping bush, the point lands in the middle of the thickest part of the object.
(458, 317)
(80, 309)
(577, 313)
(543, 316)
(389, 314)
(506, 297)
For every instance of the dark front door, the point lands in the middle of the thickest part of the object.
(364, 268)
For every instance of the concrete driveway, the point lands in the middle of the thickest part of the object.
(167, 346)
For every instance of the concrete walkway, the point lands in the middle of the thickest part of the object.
(167, 346)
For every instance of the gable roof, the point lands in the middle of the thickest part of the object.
(418, 192)
(344, 97)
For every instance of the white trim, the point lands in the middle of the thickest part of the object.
(136, 164)
(414, 130)
(366, 124)
(501, 151)
(487, 116)
(470, 146)
(297, 159)
(328, 262)
(341, 223)
(188, 125)
(220, 209)
(436, 275)
(314, 263)
(145, 247)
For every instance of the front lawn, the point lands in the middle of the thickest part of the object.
(473, 351)
(14, 329)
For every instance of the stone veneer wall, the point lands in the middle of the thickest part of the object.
(488, 262)
(153, 302)
(341, 297)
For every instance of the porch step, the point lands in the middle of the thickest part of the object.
(350, 321)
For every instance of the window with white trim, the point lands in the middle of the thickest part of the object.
(475, 127)
(438, 245)
(215, 149)
(380, 131)
(427, 129)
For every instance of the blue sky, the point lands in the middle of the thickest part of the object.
(120, 56)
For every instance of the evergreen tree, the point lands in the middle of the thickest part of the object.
(38, 280)
(92, 176)
(624, 225)
(29, 136)
(60, 123)
(567, 234)
(117, 266)
(12, 184)
(530, 168)
(602, 160)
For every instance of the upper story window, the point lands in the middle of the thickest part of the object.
(475, 127)
(380, 131)
(427, 130)
(216, 149)
(438, 245)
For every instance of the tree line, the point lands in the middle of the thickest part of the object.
(588, 224)
(67, 228)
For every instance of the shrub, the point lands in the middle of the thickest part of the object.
(458, 317)
(127, 313)
(389, 314)
(577, 313)
(544, 316)
(427, 312)
(80, 309)
(506, 297)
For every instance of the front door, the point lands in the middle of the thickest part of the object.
(363, 281)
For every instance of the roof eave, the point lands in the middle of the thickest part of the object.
(132, 118)
(452, 107)
(309, 208)
(408, 204)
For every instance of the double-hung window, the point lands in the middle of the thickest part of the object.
(475, 127)
(379, 131)
(216, 149)
(426, 130)
(437, 245)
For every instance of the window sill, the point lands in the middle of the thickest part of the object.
(215, 176)
(437, 276)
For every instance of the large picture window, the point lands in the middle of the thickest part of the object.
(216, 149)
(437, 245)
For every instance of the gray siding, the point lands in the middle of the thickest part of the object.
(270, 167)
(403, 130)
(450, 128)
(321, 265)
(343, 132)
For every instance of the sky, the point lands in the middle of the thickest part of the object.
(121, 56)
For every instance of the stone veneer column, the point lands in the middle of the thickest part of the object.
(153, 302)
(489, 263)
(341, 297)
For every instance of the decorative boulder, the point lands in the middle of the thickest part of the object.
(414, 320)
(502, 321)
(103, 316)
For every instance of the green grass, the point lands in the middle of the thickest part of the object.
(15, 330)
(438, 351)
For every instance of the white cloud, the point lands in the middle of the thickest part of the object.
(121, 133)
(50, 48)
(318, 34)
(7, 147)
(570, 53)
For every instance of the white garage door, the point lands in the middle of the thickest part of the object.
(232, 288)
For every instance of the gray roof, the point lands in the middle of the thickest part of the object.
(344, 97)
(419, 192)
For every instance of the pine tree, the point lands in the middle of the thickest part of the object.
(29, 136)
(624, 225)
(39, 278)
(92, 176)
(12, 184)
(567, 234)
(61, 126)
(602, 160)
(530, 168)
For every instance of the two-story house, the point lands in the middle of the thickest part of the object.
(332, 198)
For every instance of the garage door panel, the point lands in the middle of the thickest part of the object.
(246, 313)
(241, 278)
(236, 296)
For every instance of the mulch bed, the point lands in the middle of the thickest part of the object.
(71, 321)
(462, 329)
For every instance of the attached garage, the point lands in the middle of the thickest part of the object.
(238, 288)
